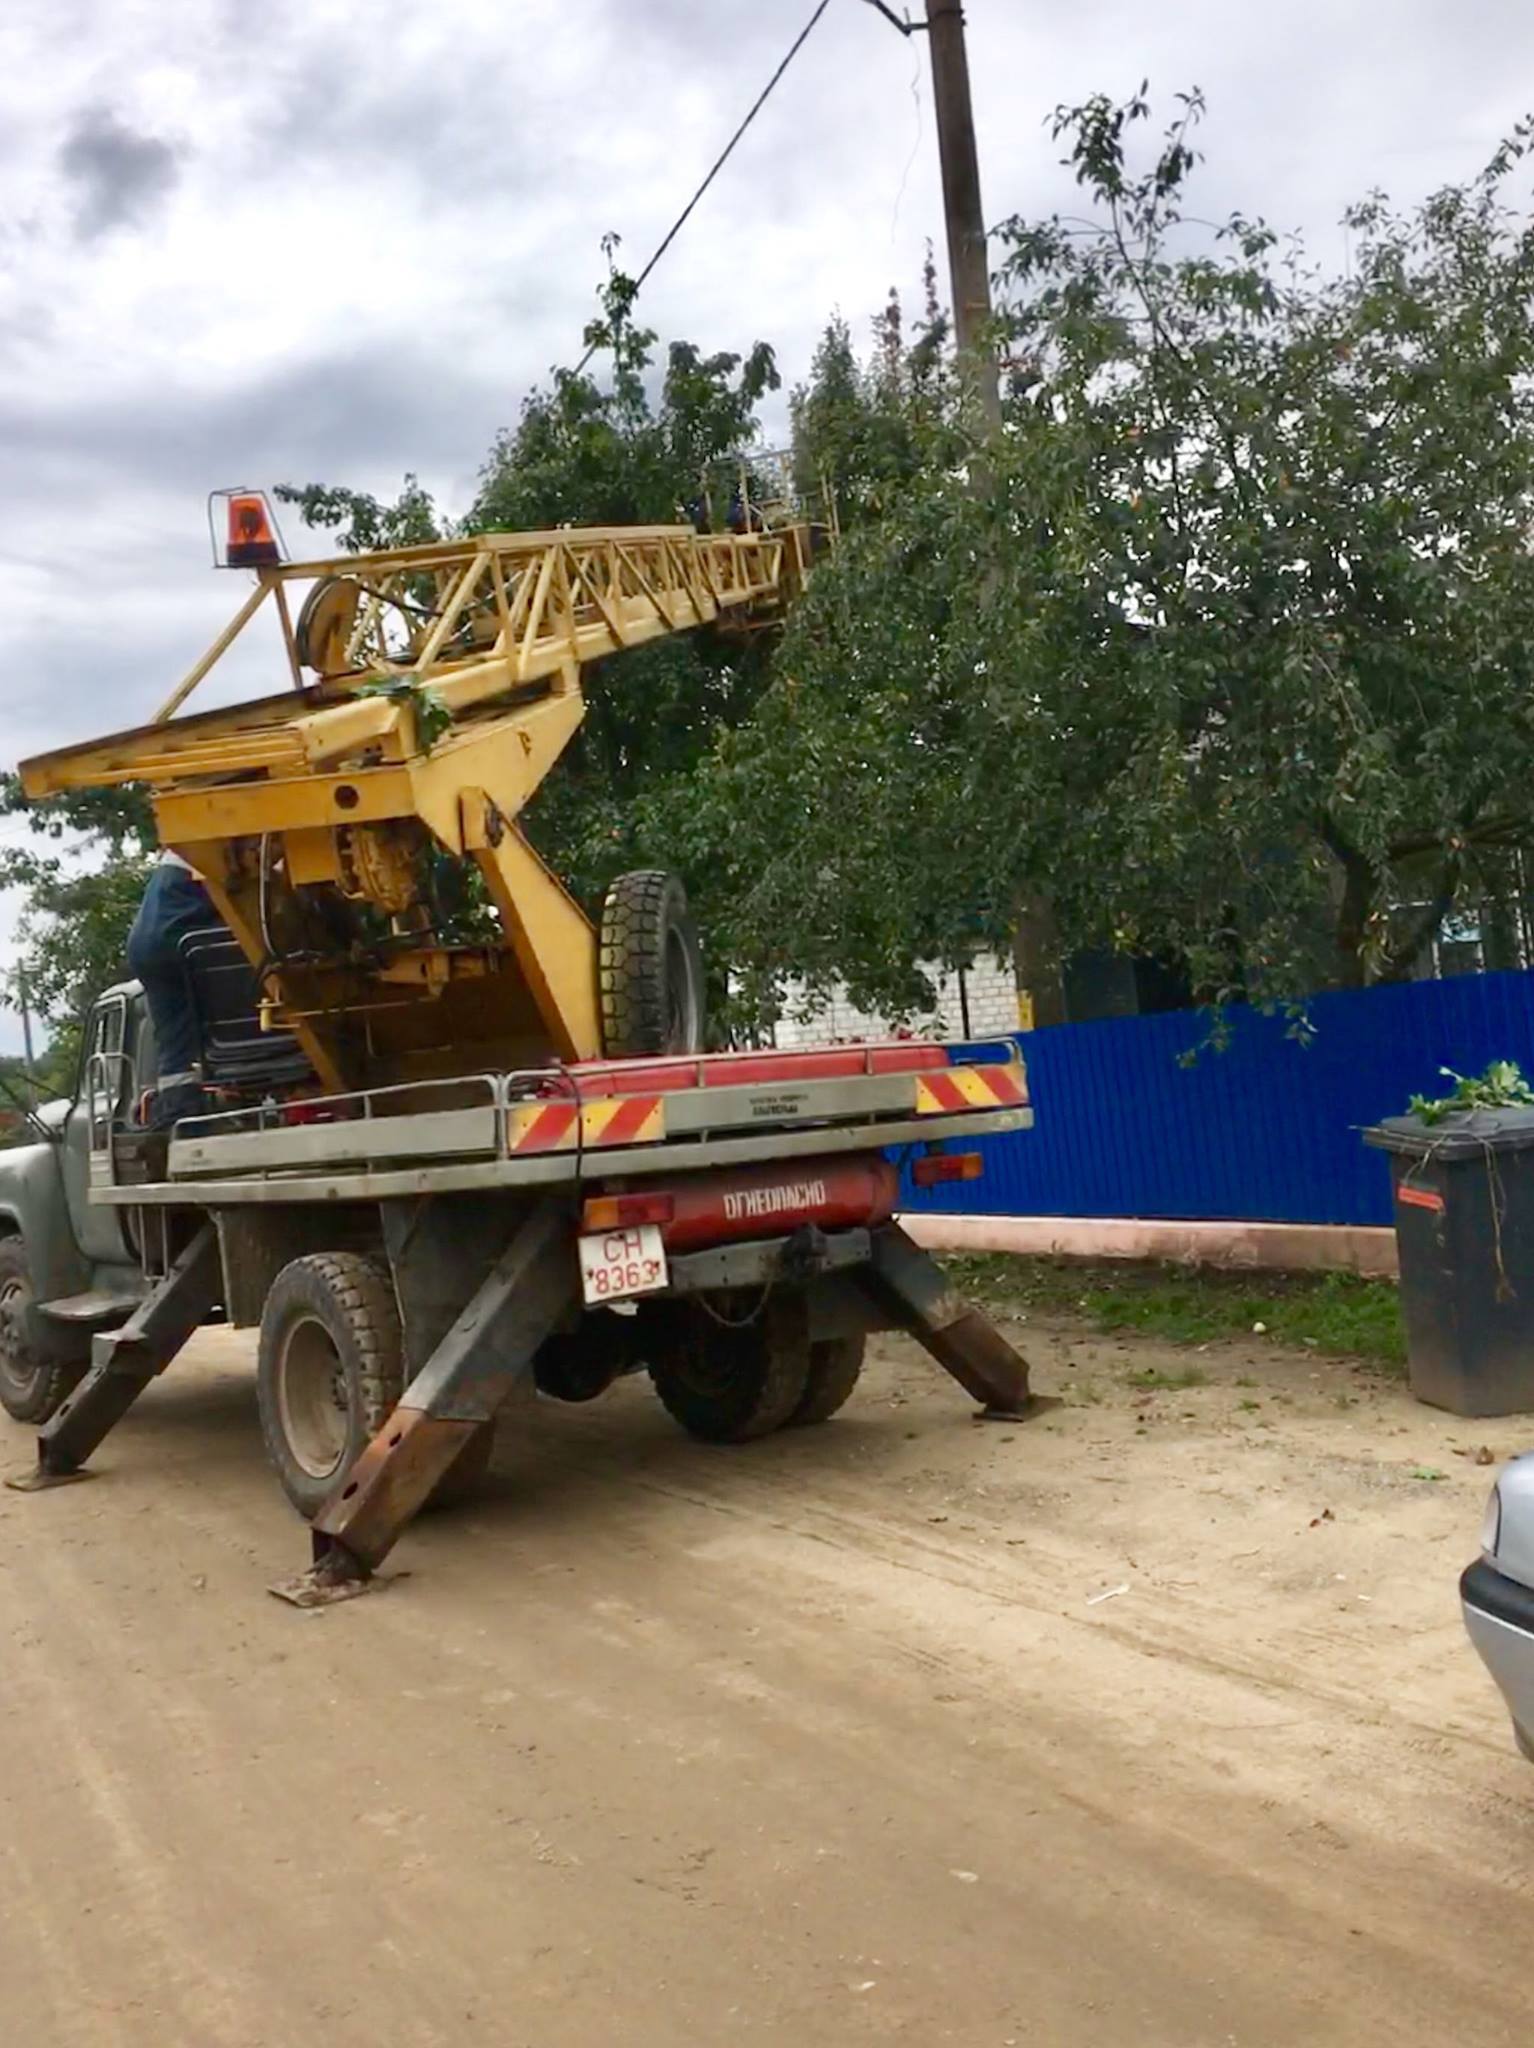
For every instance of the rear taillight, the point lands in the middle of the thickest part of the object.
(934, 1167)
(624, 1212)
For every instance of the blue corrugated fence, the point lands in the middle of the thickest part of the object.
(1265, 1131)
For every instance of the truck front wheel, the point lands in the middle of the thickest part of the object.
(31, 1387)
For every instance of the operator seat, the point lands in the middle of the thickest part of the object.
(237, 1055)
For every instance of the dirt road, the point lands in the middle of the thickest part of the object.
(822, 1741)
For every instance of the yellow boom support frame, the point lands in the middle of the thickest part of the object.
(446, 681)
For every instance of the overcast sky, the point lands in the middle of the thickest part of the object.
(260, 241)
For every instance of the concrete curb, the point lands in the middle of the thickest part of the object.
(1281, 1247)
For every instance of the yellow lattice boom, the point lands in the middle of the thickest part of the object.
(432, 690)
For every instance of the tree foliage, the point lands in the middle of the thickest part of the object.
(1223, 651)
(861, 429)
(81, 880)
(620, 448)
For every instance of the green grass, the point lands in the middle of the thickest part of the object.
(1331, 1312)
(1166, 1381)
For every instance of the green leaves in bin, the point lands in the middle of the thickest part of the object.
(1502, 1086)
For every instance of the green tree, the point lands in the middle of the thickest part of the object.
(360, 521)
(1224, 648)
(860, 429)
(82, 880)
(625, 449)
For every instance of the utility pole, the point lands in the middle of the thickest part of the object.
(1040, 998)
(26, 1035)
(1040, 994)
(969, 267)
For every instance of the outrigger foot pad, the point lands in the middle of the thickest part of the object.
(1027, 1410)
(334, 1577)
(41, 1479)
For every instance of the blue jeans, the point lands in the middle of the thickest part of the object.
(173, 904)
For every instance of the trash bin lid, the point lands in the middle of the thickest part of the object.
(1459, 1135)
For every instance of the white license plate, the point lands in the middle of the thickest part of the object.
(618, 1263)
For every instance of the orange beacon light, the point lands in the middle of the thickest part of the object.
(252, 541)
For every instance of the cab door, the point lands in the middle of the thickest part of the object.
(103, 1095)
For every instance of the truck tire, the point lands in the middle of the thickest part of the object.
(650, 968)
(726, 1383)
(835, 1365)
(31, 1387)
(329, 1371)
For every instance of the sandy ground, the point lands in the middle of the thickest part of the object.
(819, 1741)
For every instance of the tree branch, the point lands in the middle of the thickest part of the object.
(1403, 957)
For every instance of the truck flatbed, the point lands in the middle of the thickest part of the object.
(567, 1125)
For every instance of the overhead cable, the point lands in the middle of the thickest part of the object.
(720, 161)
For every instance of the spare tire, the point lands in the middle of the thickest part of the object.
(651, 968)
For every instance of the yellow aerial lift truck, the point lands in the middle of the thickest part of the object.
(438, 1163)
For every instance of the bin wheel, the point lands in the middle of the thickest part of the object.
(31, 1387)
(650, 968)
(835, 1366)
(329, 1371)
(725, 1383)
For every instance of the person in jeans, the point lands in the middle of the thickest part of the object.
(175, 902)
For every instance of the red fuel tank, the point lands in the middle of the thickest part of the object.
(770, 1201)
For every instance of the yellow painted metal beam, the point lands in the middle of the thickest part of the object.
(508, 756)
(552, 938)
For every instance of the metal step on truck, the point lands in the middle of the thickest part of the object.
(432, 1166)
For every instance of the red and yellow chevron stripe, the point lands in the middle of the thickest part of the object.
(948, 1089)
(610, 1120)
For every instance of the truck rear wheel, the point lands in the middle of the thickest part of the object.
(31, 1387)
(650, 968)
(835, 1366)
(727, 1383)
(329, 1372)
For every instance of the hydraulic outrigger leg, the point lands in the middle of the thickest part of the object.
(488, 1349)
(124, 1361)
(910, 1286)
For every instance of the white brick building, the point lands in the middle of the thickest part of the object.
(988, 995)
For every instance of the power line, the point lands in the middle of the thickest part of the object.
(720, 161)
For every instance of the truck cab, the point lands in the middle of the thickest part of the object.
(68, 1266)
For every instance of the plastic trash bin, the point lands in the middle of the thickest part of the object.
(1464, 1214)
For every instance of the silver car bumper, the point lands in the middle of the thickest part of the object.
(1499, 1616)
